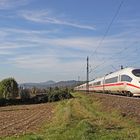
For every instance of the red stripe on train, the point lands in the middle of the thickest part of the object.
(116, 84)
(133, 85)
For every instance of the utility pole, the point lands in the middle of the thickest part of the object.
(87, 83)
(121, 67)
(78, 78)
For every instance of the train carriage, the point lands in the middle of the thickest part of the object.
(125, 81)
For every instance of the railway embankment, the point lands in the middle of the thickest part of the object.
(127, 106)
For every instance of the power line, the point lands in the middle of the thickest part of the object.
(111, 57)
(105, 34)
(106, 60)
(103, 38)
(108, 28)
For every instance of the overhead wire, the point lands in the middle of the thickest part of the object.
(108, 28)
(106, 32)
(111, 57)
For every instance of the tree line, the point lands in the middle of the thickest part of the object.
(12, 94)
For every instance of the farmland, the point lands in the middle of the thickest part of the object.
(86, 117)
(16, 120)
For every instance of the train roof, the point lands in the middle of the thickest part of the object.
(122, 70)
(129, 69)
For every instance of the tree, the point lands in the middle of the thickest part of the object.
(24, 94)
(34, 91)
(8, 88)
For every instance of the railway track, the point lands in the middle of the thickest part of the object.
(119, 95)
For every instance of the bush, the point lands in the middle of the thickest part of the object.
(24, 94)
(2, 101)
(58, 94)
(42, 98)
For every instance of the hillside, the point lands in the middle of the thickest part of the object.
(47, 84)
(38, 85)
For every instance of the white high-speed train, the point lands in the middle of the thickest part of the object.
(125, 81)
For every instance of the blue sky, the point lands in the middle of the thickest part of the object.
(50, 39)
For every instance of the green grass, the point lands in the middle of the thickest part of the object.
(25, 137)
(82, 118)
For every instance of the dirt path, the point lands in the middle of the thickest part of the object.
(15, 120)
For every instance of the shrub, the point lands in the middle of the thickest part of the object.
(58, 94)
(24, 94)
(2, 101)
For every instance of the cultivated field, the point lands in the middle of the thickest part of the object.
(84, 117)
(15, 120)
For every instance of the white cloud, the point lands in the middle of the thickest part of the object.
(14, 45)
(44, 17)
(5, 52)
(17, 38)
(8, 4)
(7, 31)
(44, 63)
(34, 50)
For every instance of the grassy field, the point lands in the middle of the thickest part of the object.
(82, 118)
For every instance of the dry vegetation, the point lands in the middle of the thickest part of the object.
(127, 106)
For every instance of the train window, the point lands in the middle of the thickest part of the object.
(111, 80)
(136, 72)
(97, 83)
(126, 78)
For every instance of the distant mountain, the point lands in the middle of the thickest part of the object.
(70, 83)
(38, 85)
(47, 84)
(50, 82)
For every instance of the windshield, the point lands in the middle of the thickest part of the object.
(136, 72)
